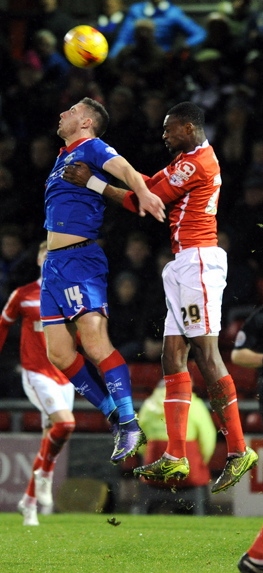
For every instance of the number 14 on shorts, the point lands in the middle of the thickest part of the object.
(73, 296)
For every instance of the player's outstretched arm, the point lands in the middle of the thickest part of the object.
(120, 168)
(80, 174)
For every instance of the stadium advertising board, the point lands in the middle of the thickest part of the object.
(17, 453)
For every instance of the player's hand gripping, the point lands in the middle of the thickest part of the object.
(78, 174)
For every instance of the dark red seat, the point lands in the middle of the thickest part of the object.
(253, 423)
(5, 421)
(31, 421)
(144, 378)
(90, 421)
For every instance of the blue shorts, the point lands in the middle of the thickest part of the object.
(74, 282)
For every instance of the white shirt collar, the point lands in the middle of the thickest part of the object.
(204, 144)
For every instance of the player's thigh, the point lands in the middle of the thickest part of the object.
(214, 272)
(173, 322)
(93, 330)
(61, 343)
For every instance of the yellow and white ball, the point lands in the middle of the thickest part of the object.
(85, 47)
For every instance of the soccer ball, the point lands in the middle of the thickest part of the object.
(85, 47)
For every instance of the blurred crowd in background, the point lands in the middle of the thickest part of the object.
(159, 56)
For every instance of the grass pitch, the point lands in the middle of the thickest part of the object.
(76, 543)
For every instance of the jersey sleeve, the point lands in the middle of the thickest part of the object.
(159, 188)
(97, 153)
(130, 200)
(11, 310)
(165, 189)
(9, 315)
(151, 181)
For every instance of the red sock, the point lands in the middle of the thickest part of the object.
(75, 367)
(223, 399)
(55, 441)
(176, 406)
(256, 549)
(114, 360)
(37, 463)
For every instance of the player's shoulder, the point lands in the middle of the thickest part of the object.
(205, 151)
(99, 145)
(206, 160)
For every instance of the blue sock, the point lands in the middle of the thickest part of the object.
(89, 383)
(119, 386)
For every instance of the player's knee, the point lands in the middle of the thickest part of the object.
(59, 359)
(63, 430)
(171, 364)
(54, 358)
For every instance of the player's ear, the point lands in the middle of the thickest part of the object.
(189, 128)
(87, 122)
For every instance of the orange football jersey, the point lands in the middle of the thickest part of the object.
(191, 187)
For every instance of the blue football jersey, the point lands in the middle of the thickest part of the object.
(71, 209)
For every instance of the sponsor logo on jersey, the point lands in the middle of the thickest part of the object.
(58, 173)
(182, 174)
(111, 150)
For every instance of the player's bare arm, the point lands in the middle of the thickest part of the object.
(79, 174)
(120, 168)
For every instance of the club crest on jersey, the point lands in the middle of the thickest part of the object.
(182, 174)
(70, 158)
